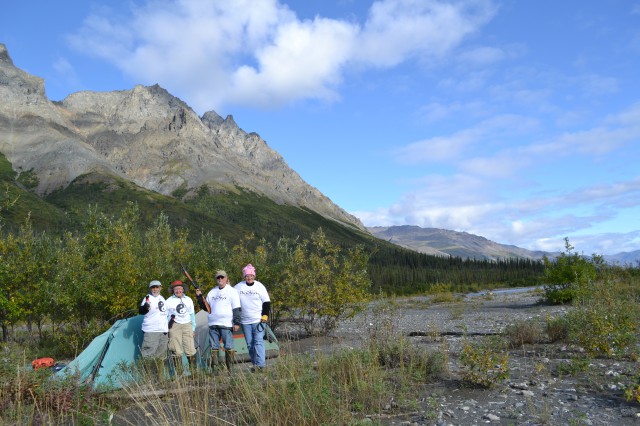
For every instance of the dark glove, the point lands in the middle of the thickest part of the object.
(143, 309)
(172, 320)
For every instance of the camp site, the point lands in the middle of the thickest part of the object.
(99, 363)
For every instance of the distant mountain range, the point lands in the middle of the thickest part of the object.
(624, 258)
(442, 242)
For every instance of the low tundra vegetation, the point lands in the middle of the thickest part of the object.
(485, 363)
(345, 386)
(604, 317)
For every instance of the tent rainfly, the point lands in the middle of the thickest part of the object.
(99, 363)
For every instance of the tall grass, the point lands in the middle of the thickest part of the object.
(29, 397)
(338, 387)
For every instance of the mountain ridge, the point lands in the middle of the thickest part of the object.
(145, 135)
(443, 242)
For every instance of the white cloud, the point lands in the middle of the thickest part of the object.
(482, 56)
(488, 170)
(305, 60)
(64, 68)
(473, 205)
(435, 150)
(260, 54)
(488, 136)
(599, 85)
(438, 111)
(629, 117)
(397, 30)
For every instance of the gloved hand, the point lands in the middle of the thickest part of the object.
(264, 318)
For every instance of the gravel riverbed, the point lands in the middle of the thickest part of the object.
(539, 391)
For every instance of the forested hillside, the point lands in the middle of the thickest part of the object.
(232, 216)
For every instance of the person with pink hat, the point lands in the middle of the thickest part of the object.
(254, 313)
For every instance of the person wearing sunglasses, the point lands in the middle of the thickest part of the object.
(223, 306)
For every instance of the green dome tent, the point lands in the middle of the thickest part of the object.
(99, 363)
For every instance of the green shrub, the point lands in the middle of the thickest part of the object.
(409, 361)
(558, 329)
(632, 393)
(601, 331)
(565, 276)
(604, 320)
(484, 364)
(442, 297)
(28, 179)
(574, 366)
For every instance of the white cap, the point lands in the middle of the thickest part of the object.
(155, 283)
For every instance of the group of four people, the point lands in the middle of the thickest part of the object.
(171, 323)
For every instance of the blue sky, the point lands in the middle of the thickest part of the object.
(515, 120)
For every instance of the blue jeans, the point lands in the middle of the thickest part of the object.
(254, 335)
(216, 333)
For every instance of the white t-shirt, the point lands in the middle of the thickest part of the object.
(251, 299)
(181, 307)
(222, 303)
(155, 321)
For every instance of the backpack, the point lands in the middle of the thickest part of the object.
(42, 363)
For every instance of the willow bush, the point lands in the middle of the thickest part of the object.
(79, 283)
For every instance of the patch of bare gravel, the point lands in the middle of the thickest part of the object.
(537, 391)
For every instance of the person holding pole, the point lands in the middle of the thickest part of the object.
(223, 305)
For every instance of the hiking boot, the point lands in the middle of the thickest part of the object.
(192, 364)
(214, 362)
(230, 358)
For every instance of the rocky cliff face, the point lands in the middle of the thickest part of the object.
(145, 135)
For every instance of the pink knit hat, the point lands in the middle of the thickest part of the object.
(248, 270)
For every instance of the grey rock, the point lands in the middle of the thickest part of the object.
(491, 417)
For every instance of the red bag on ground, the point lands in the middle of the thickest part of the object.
(42, 363)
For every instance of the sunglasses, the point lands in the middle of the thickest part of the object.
(219, 277)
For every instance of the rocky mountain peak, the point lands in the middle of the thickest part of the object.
(145, 135)
(4, 55)
(17, 86)
(212, 119)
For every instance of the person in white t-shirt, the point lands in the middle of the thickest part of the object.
(255, 304)
(223, 305)
(154, 326)
(182, 325)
